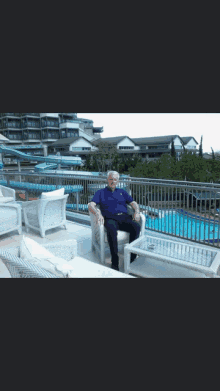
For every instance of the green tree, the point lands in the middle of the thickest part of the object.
(193, 167)
(146, 169)
(90, 164)
(103, 159)
(190, 166)
(127, 163)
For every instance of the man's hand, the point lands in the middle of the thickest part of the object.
(99, 218)
(96, 212)
(137, 216)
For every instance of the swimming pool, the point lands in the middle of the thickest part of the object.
(177, 223)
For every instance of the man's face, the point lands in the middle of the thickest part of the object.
(113, 181)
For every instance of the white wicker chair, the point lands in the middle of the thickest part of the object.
(10, 218)
(43, 215)
(99, 235)
(19, 268)
(8, 195)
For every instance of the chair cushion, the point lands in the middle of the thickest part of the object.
(5, 200)
(36, 254)
(31, 249)
(51, 194)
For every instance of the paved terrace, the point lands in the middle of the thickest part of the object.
(78, 229)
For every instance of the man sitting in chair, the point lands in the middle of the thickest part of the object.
(114, 215)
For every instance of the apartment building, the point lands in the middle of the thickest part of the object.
(149, 148)
(49, 133)
(35, 132)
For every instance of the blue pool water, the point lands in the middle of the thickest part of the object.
(190, 228)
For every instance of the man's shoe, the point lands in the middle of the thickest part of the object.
(115, 268)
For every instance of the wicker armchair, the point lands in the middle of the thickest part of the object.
(10, 218)
(8, 195)
(99, 235)
(19, 268)
(43, 215)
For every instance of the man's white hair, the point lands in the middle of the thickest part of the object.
(115, 173)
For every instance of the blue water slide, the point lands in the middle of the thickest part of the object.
(44, 166)
(68, 161)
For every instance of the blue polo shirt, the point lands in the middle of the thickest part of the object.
(112, 203)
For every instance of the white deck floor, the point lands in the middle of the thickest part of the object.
(81, 233)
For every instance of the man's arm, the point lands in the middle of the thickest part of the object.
(137, 215)
(96, 212)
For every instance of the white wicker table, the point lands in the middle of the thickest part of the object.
(167, 258)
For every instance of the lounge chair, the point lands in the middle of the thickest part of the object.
(43, 215)
(10, 218)
(6, 195)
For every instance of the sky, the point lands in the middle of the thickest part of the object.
(150, 125)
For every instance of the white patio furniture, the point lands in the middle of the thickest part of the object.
(99, 235)
(20, 268)
(6, 195)
(21, 203)
(161, 258)
(10, 218)
(81, 268)
(45, 214)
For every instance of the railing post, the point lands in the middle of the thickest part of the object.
(19, 169)
(8, 181)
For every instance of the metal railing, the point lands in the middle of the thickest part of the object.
(188, 210)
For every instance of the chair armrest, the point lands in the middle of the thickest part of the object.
(143, 224)
(67, 248)
(9, 205)
(7, 192)
(31, 206)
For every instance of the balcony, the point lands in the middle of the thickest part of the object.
(98, 130)
(165, 203)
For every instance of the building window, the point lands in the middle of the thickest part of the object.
(126, 148)
(81, 149)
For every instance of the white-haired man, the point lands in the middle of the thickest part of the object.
(114, 215)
